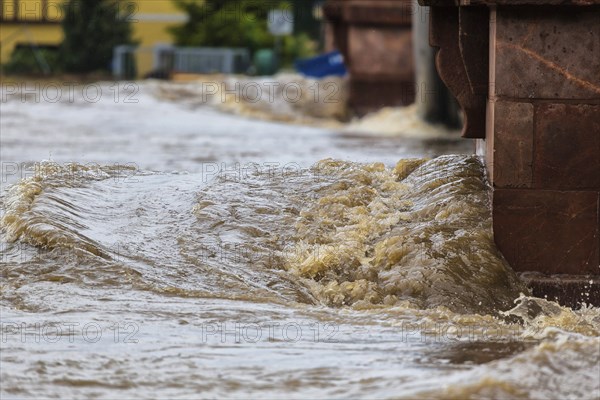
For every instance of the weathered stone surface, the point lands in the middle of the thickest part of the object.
(567, 152)
(474, 43)
(385, 50)
(567, 290)
(548, 231)
(373, 93)
(375, 38)
(456, 3)
(435, 104)
(513, 145)
(485, 147)
(457, 49)
(544, 53)
(378, 12)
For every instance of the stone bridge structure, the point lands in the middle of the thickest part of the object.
(376, 39)
(527, 76)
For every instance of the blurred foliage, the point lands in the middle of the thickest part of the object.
(92, 28)
(23, 61)
(237, 23)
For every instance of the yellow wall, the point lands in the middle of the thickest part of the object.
(150, 20)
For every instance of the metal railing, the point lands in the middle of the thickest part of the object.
(167, 59)
(207, 60)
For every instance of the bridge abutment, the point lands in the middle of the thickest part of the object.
(537, 127)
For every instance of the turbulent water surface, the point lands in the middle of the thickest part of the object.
(162, 250)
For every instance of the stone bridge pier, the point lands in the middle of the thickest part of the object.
(375, 38)
(527, 76)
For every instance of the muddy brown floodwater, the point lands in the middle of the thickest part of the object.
(159, 249)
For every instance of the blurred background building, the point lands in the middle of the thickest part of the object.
(27, 23)
(37, 24)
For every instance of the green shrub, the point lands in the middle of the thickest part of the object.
(237, 23)
(23, 61)
(92, 29)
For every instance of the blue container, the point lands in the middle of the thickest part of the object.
(321, 66)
